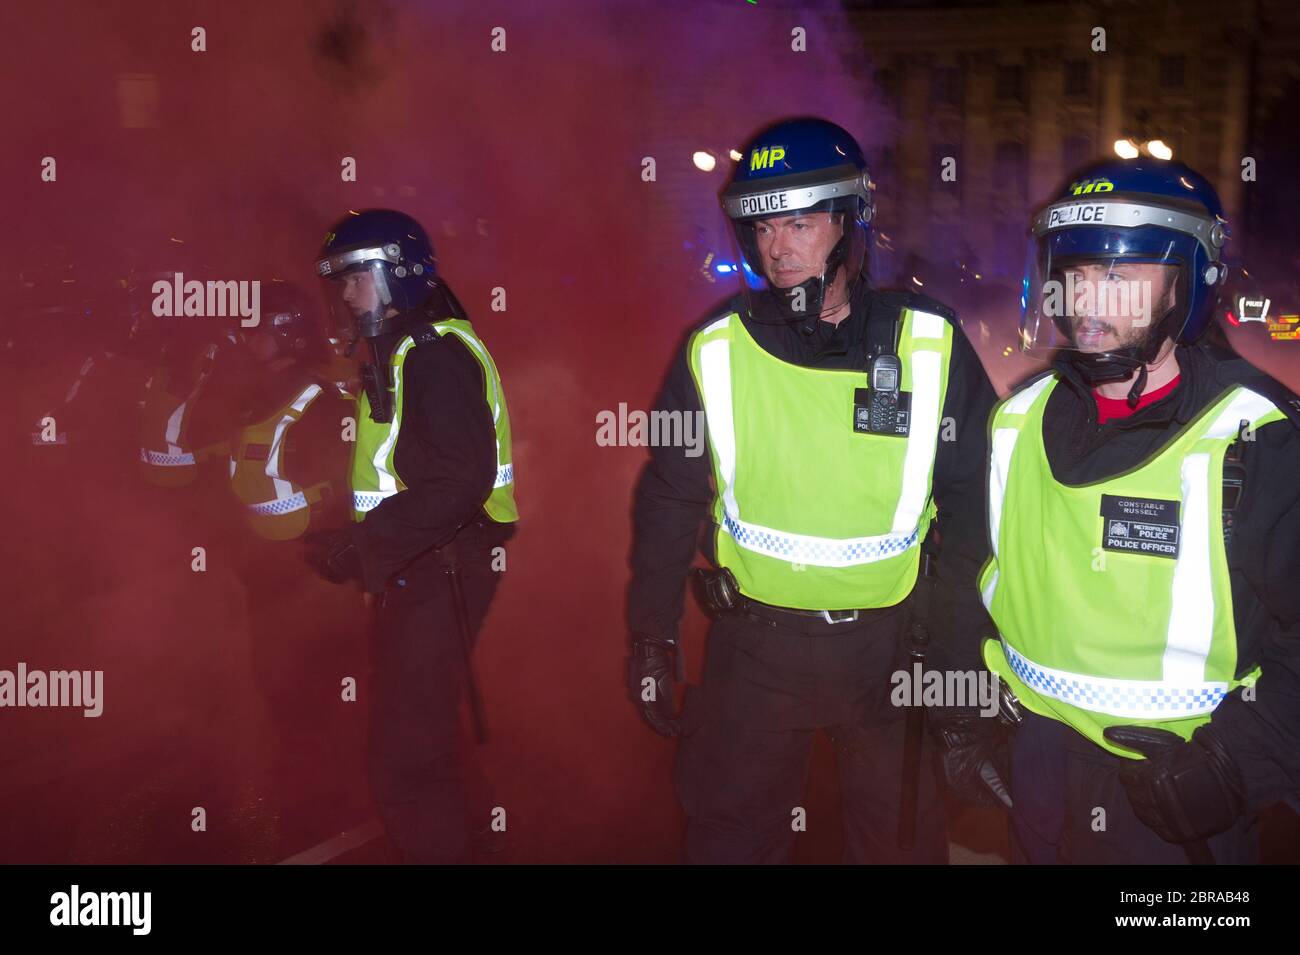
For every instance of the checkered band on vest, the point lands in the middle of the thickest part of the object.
(505, 474)
(284, 506)
(1115, 697)
(798, 551)
(165, 460)
(368, 500)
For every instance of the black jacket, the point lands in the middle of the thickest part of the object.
(1264, 554)
(446, 455)
(675, 490)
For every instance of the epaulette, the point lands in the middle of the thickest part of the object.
(918, 302)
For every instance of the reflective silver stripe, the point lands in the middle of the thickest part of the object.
(172, 434)
(505, 472)
(1003, 444)
(987, 593)
(286, 505)
(772, 202)
(1191, 617)
(284, 489)
(369, 500)
(923, 434)
(715, 379)
(1191, 621)
(386, 479)
(1111, 213)
(166, 460)
(343, 260)
(715, 375)
(477, 347)
(1133, 699)
(925, 325)
(1023, 400)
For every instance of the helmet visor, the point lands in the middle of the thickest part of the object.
(801, 240)
(358, 298)
(1093, 283)
(804, 263)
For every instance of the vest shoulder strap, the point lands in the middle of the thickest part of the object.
(1023, 398)
(719, 312)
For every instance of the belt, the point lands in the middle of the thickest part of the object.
(808, 621)
(468, 543)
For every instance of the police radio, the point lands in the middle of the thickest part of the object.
(883, 408)
(885, 376)
(377, 393)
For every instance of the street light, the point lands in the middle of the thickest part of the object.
(1126, 149)
(1130, 149)
(704, 160)
(1158, 149)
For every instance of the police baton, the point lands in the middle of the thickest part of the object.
(467, 646)
(918, 640)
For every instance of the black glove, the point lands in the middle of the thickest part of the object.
(654, 659)
(975, 756)
(1184, 790)
(333, 555)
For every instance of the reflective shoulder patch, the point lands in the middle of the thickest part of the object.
(1021, 400)
(716, 324)
(927, 325)
(1282, 397)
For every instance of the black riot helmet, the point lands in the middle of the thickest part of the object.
(293, 318)
(377, 265)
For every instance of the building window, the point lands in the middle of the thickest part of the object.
(1172, 69)
(1011, 83)
(1011, 167)
(1076, 78)
(1075, 151)
(946, 86)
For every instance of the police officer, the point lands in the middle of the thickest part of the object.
(191, 399)
(433, 503)
(297, 412)
(289, 473)
(844, 425)
(1146, 540)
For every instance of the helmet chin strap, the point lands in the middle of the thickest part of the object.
(814, 291)
(1099, 368)
(374, 324)
(377, 322)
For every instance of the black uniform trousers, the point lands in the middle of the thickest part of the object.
(1070, 807)
(422, 759)
(741, 771)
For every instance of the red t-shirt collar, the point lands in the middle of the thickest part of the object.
(1109, 409)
